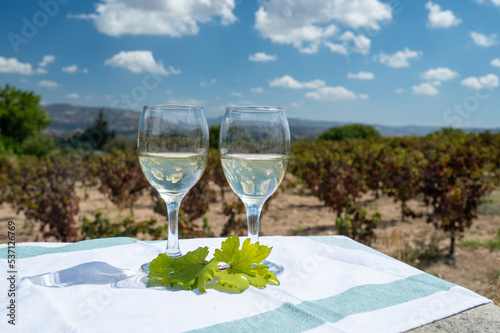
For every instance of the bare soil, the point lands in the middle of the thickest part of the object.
(302, 214)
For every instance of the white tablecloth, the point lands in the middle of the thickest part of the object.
(330, 284)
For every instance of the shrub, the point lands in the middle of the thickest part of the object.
(354, 131)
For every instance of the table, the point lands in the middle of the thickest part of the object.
(330, 284)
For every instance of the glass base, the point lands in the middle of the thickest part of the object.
(145, 267)
(172, 254)
(274, 268)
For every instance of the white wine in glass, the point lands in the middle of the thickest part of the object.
(254, 147)
(173, 148)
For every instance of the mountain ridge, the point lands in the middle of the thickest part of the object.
(69, 118)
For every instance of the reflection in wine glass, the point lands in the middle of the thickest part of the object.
(254, 148)
(172, 145)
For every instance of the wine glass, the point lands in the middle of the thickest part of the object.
(172, 145)
(254, 148)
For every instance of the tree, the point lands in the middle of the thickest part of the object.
(20, 117)
(97, 134)
(354, 131)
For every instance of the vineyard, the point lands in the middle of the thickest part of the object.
(447, 174)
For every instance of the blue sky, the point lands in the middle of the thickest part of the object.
(381, 62)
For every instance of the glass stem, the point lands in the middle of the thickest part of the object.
(253, 219)
(173, 203)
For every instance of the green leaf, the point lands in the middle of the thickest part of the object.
(193, 271)
(241, 260)
(160, 270)
(244, 269)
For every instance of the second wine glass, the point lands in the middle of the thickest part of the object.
(254, 149)
(173, 147)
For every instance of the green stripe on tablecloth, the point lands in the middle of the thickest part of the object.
(27, 251)
(310, 314)
(35, 250)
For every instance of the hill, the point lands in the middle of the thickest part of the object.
(67, 118)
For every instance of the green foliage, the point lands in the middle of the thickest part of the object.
(95, 136)
(214, 132)
(235, 225)
(244, 265)
(357, 225)
(20, 117)
(38, 145)
(354, 131)
(449, 173)
(193, 270)
(103, 228)
(45, 191)
(449, 132)
(119, 143)
(215, 171)
(493, 243)
(121, 178)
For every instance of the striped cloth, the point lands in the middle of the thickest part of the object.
(330, 284)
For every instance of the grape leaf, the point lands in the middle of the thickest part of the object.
(193, 271)
(244, 269)
(160, 270)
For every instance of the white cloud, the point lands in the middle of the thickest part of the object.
(331, 94)
(46, 60)
(361, 76)
(70, 69)
(489, 2)
(262, 57)
(257, 89)
(441, 18)
(47, 84)
(139, 61)
(361, 44)
(73, 96)
(398, 59)
(399, 90)
(337, 48)
(289, 82)
(495, 62)
(191, 101)
(487, 81)
(483, 40)
(307, 24)
(161, 17)
(440, 74)
(73, 69)
(237, 94)
(425, 89)
(208, 83)
(12, 65)
(297, 104)
(364, 96)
